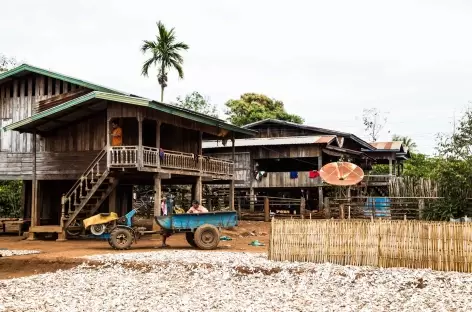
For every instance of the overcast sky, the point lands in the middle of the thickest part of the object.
(326, 60)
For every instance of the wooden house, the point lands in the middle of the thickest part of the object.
(284, 157)
(56, 138)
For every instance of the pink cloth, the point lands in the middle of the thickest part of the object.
(200, 209)
(164, 208)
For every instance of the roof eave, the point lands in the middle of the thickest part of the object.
(40, 71)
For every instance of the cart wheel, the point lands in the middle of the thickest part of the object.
(190, 237)
(121, 238)
(207, 237)
(76, 223)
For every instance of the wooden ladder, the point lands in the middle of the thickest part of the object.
(88, 193)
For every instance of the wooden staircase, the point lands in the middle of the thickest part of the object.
(88, 193)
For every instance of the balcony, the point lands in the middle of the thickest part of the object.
(179, 162)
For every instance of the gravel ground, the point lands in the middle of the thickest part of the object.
(9, 253)
(225, 281)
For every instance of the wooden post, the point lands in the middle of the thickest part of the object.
(266, 209)
(140, 141)
(252, 199)
(341, 211)
(34, 193)
(302, 207)
(198, 189)
(320, 189)
(239, 207)
(390, 166)
(112, 207)
(158, 142)
(327, 208)
(108, 144)
(420, 208)
(157, 202)
(231, 185)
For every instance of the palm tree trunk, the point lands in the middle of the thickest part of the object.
(162, 94)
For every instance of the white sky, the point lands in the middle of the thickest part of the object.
(326, 60)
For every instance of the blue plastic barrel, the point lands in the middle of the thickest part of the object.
(380, 205)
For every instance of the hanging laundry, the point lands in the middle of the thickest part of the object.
(293, 174)
(161, 153)
(313, 174)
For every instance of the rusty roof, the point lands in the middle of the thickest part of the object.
(318, 139)
(396, 146)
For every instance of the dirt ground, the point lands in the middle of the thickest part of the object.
(63, 255)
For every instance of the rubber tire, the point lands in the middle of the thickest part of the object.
(207, 237)
(190, 237)
(115, 242)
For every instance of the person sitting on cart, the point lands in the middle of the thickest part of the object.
(197, 208)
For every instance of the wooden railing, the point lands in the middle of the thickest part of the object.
(180, 160)
(217, 166)
(93, 172)
(123, 156)
(128, 156)
(151, 156)
(377, 178)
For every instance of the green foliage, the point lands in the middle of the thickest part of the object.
(453, 172)
(196, 102)
(10, 199)
(252, 107)
(380, 169)
(165, 54)
(421, 166)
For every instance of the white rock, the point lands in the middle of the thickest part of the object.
(226, 281)
(12, 252)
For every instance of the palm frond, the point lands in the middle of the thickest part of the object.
(178, 68)
(180, 46)
(146, 65)
(148, 45)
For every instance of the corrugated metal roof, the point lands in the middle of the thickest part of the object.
(311, 128)
(325, 139)
(28, 68)
(388, 146)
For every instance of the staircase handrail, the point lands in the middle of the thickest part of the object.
(97, 159)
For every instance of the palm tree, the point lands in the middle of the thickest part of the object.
(407, 141)
(165, 55)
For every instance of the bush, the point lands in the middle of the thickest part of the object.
(10, 199)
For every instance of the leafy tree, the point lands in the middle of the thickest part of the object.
(252, 107)
(165, 54)
(196, 102)
(6, 63)
(374, 121)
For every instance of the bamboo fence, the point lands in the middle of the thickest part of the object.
(443, 246)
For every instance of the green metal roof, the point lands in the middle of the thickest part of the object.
(51, 115)
(28, 68)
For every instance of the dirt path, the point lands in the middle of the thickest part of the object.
(63, 255)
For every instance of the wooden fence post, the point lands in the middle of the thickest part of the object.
(266, 209)
(341, 211)
(326, 208)
(420, 208)
(302, 208)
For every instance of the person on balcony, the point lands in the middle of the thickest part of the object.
(197, 208)
(116, 134)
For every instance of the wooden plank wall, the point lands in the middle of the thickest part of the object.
(266, 152)
(242, 169)
(276, 130)
(86, 135)
(19, 98)
(282, 179)
(50, 165)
